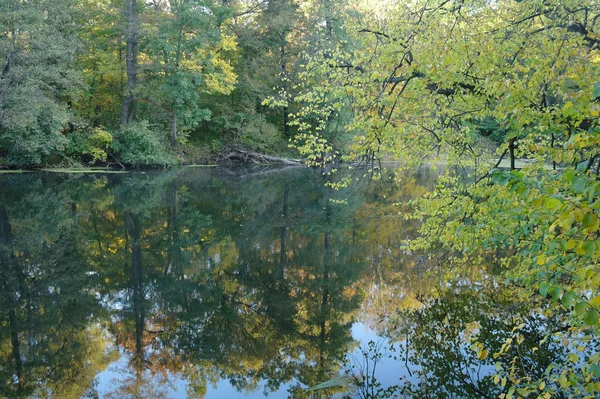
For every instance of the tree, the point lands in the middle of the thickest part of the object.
(422, 77)
(187, 59)
(37, 48)
(132, 40)
(99, 100)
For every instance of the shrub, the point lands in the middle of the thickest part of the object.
(138, 145)
(32, 130)
(260, 135)
(90, 145)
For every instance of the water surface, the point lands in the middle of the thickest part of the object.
(215, 283)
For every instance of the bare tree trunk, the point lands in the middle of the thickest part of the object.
(286, 111)
(511, 148)
(132, 40)
(552, 146)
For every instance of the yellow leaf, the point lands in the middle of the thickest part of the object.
(541, 260)
(483, 354)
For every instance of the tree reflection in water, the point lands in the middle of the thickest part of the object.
(139, 285)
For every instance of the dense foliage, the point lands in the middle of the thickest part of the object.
(433, 80)
(194, 72)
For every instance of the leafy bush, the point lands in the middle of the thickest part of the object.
(138, 145)
(32, 129)
(260, 135)
(89, 144)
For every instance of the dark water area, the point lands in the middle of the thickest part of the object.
(218, 283)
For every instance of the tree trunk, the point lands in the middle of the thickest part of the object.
(173, 128)
(8, 66)
(174, 108)
(286, 111)
(286, 120)
(552, 146)
(132, 40)
(511, 148)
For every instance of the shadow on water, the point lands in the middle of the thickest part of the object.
(220, 283)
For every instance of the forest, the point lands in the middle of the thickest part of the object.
(502, 95)
(150, 84)
(158, 83)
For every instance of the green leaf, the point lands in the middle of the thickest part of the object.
(591, 317)
(574, 357)
(499, 177)
(580, 307)
(552, 203)
(589, 247)
(555, 292)
(569, 175)
(567, 299)
(544, 289)
(579, 183)
(589, 220)
(563, 381)
(596, 92)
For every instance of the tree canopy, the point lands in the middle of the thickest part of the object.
(191, 76)
(479, 85)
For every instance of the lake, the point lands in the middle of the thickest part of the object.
(225, 283)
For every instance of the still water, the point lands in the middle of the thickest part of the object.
(220, 283)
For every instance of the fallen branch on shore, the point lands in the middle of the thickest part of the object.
(242, 156)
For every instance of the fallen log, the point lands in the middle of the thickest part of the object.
(251, 157)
